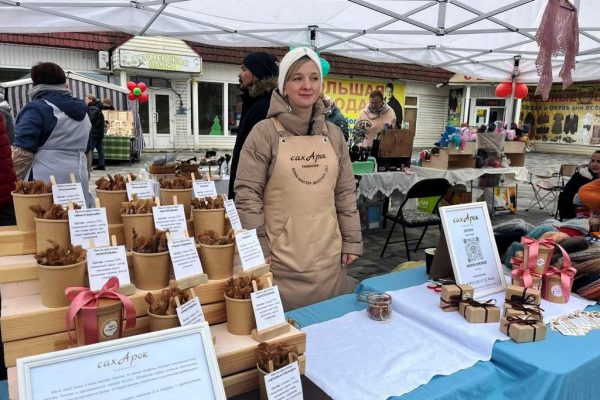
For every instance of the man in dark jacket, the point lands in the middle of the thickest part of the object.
(97, 131)
(391, 101)
(258, 78)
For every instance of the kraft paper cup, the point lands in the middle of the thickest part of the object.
(151, 270)
(142, 223)
(24, 216)
(111, 200)
(55, 279)
(261, 382)
(240, 316)
(109, 317)
(209, 220)
(184, 196)
(217, 260)
(161, 322)
(52, 229)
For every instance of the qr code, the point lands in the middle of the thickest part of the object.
(473, 249)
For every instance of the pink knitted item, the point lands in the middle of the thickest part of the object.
(556, 237)
(558, 32)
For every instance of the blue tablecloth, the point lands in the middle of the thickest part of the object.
(560, 367)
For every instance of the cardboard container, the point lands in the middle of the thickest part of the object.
(217, 261)
(24, 216)
(52, 229)
(240, 316)
(523, 310)
(142, 223)
(111, 200)
(542, 259)
(109, 317)
(205, 220)
(151, 270)
(55, 279)
(184, 196)
(161, 322)
(535, 279)
(452, 294)
(262, 387)
(477, 315)
(552, 290)
(522, 333)
(523, 295)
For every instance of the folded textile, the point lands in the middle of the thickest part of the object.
(509, 232)
(581, 281)
(571, 245)
(593, 252)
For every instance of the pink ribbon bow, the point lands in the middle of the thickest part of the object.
(534, 247)
(567, 274)
(81, 297)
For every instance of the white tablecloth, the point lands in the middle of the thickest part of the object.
(388, 182)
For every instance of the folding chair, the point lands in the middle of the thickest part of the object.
(546, 188)
(417, 218)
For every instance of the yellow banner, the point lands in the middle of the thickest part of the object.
(351, 96)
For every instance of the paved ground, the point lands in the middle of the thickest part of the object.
(371, 264)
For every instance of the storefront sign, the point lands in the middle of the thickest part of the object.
(177, 363)
(351, 96)
(105, 262)
(64, 192)
(159, 61)
(472, 248)
(89, 224)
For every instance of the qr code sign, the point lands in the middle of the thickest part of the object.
(473, 249)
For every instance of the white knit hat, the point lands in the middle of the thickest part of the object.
(290, 58)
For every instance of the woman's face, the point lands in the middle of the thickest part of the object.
(303, 87)
(595, 163)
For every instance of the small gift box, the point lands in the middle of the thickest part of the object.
(523, 330)
(557, 283)
(516, 309)
(518, 279)
(98, 316)
(476, 312)
(452, 295)
(523, 295)
(537, 254)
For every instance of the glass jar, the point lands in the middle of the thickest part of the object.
(379, 306)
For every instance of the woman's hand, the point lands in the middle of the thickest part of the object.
(348, 258)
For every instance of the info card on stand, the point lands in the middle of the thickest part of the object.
(190, 313)
(268, 309)
(204, 189)
(89, 224)
(105, 262)
(285, 383)
(234, 218)
(62, 193)
(184, 258)
(170, 218)
(249, 248)
(142, 189)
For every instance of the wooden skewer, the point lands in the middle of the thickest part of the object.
(113, 240)
(254, 286)
(72, 176)
(129, 178)
(157, 201)
(175, 200)
(97, 202)
(269, 282)
(271, 367)
(70, 206)
(53, 179)
(193, 177)
(177, 301)
(92, 244)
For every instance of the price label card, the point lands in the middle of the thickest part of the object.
(89, 223)
(105, 262)
(268, 309)
(171, 218)
(190, 313)
(285, 383)
(62, 193)
(143, 190)
(234, 218)
(249, 248)
(184, 257)
(204, 189)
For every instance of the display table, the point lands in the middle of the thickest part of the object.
(559, 367)
(118, 148)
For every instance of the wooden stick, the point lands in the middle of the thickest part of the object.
(168, 235)
(192, 293)
(271, 367)
(209, 174)
(269, 282)
(254, 286)
(70, 206)
(177, 301)
(72, 176)
(97, 202)
(290, 357)
(92, 244)
(157, 201)
(113, 240)
(53, 179)
(193, 177)
(129, 178)
(175, 200)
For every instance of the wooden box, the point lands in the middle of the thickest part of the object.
(515, 152)
(453, 158)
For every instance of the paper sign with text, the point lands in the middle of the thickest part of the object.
(249, 248)
(89, 223)
(64, 192)
(184, 258)
(105, 262)
(268, 309)
(143, 190)
(234, 218)
(285, 383)
(204, 189)
(170, 218)
(190, 313)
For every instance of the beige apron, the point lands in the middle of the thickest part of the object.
(301, 220)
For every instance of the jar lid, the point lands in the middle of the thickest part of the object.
(379, 296)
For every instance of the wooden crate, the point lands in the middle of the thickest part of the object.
(14, 242)
(515, 152)
(453, 158)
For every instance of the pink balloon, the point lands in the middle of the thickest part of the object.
(142, 86)
(131, 85)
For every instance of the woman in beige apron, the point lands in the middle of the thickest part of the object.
(295, 186)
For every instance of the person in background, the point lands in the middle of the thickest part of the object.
(52, 130)
(391, 101)
(96, 133)
(7, 178)
(258, 78)
(296, 187)
(107, 104)
(584, 175)
(5, 111)
(335, 116)
(375, 116)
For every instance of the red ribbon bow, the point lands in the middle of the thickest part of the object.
(533, 249)
(84, 297)
(524, 273)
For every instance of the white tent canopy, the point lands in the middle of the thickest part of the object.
(471, 37)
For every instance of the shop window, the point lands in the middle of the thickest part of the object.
(210, 108)
(152, 82)
(7, 75)
(410, 113)
(234, 107)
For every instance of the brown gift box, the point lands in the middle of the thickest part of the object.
(452, 294)
(476, 312)
(523, 295)
(516, 309)
(523, 330)
(536, 279)
(545, 251)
